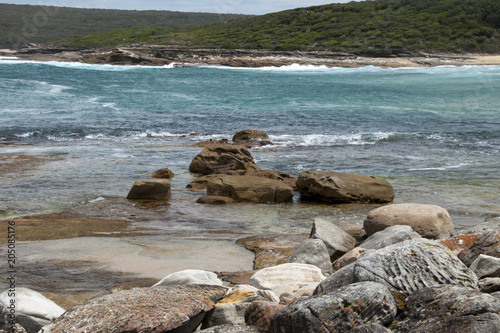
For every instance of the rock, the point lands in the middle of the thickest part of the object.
(214, 200)
(200, 183)
(158, 309)
(412, 265)
(16, 328)
(237, 156)
(429, 221)
(337, 241)
(343, 187)
(163, 173)
(340, 278)
(190, 276)
(491, 223)
(271, 249)
(370, 328)
(286, 278)
(259, 313)
(390, 235)
(340, 311)
(486, 266)
(313, 252)
(270, 174)
(227, 314)
(348, 258)
(489, 285)
(32, 310)
(233, 328)
(458, 243)
(307, 290)
(250, 135)
(150, 189)
(248, 188)
(236, 296)
(449, 309)
(488, 243)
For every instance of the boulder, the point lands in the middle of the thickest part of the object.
(233, 328)
(150, 189)
(32, 309)
(16, 328)
(348, 258)
(286, 278)
(237, 295)
(488, 243)
(188, 277)
(412, 265)
(429, 221)
(227, 314)
(449, 308)
(371, 328)
(234, 157)
(250, 135)
(163, 173)
(344, 188)
(248, 188)
(337, 241)
(313, 252)
(489, 285)
(486, 266)
(214, 200)
(158, 309)
(340, 278)
(259, 313)
(340, 311)
(390, 235)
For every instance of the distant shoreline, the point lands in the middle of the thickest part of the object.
(157, 55)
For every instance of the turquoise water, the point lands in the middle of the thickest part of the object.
(434, 133)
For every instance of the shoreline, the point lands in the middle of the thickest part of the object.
(157, 55)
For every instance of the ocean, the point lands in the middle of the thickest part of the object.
(432, 132)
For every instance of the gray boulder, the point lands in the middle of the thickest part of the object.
(491, 223)
(340, 311)
(340, 278)
(230, 157)
(391, 235)
(487, 243)
(313, 252)
(343, 187)
(337, 241)
(429, 221)
(150, 189)
(486, 266)
(370, 328)
(449, 309)
(489, 285)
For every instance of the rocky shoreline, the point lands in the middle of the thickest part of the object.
(407, 270)
(159, 55)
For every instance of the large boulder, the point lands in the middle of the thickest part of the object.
(429, 221)
(343, 187)
(230, 156)
(313, 252)
(449, 309)
(248, 188)
(150, 189)
(488, 243)
(486, 266)
(190, 276)
(158, 309)
(337, 241)
(286, 278)
(391, 235)
(340, 311)
(248, 134)
(30, 309)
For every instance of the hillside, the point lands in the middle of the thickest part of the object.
(377, 28)
(41, 24)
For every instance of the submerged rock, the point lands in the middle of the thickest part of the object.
(150, 189)
(214, 200)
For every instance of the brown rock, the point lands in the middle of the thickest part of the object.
(488, 243)
(163, 173)
(237, 156)
(150, 189)
(250, 135)
(159, 309)
(259, 313)
(248, 188)
(343, 187)
(200, 183)
(214, 200)
(348, 258)
(429, 221)
(458, 243)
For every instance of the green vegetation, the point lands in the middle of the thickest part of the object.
(21, 24)
(376, 28)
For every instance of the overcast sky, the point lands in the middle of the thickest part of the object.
(211, 6)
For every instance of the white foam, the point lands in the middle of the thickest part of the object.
(79, 65)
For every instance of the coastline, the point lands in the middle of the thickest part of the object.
(157, 55)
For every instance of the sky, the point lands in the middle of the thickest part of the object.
(256, 7)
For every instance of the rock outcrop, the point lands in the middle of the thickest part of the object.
(344, 188)
(150, 189)
(229, 157)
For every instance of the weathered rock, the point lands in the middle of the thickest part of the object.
(412, 265)
(200, 183)
(348, 258)
(491, 223)
(458, 243)
(233, 328)
(259, 313)
(429, 221)
(250, 135)
(340, 278)
(32, 310)
(248, 188)
(163, 173)
(489, 285)
(16, 328)
(307, 290)
(486, 266)
(337, 241)
(343, 187)
(488, 243)
(237, 156)
(214, 200)
(390, 235)
(286, 278)
(370, 328)
(236, 296)
(188, 277)
(313, 252)
(270, 174)
(158, 309)
(348, 307)
(227, 314)
(150, 189)
(449, 309)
